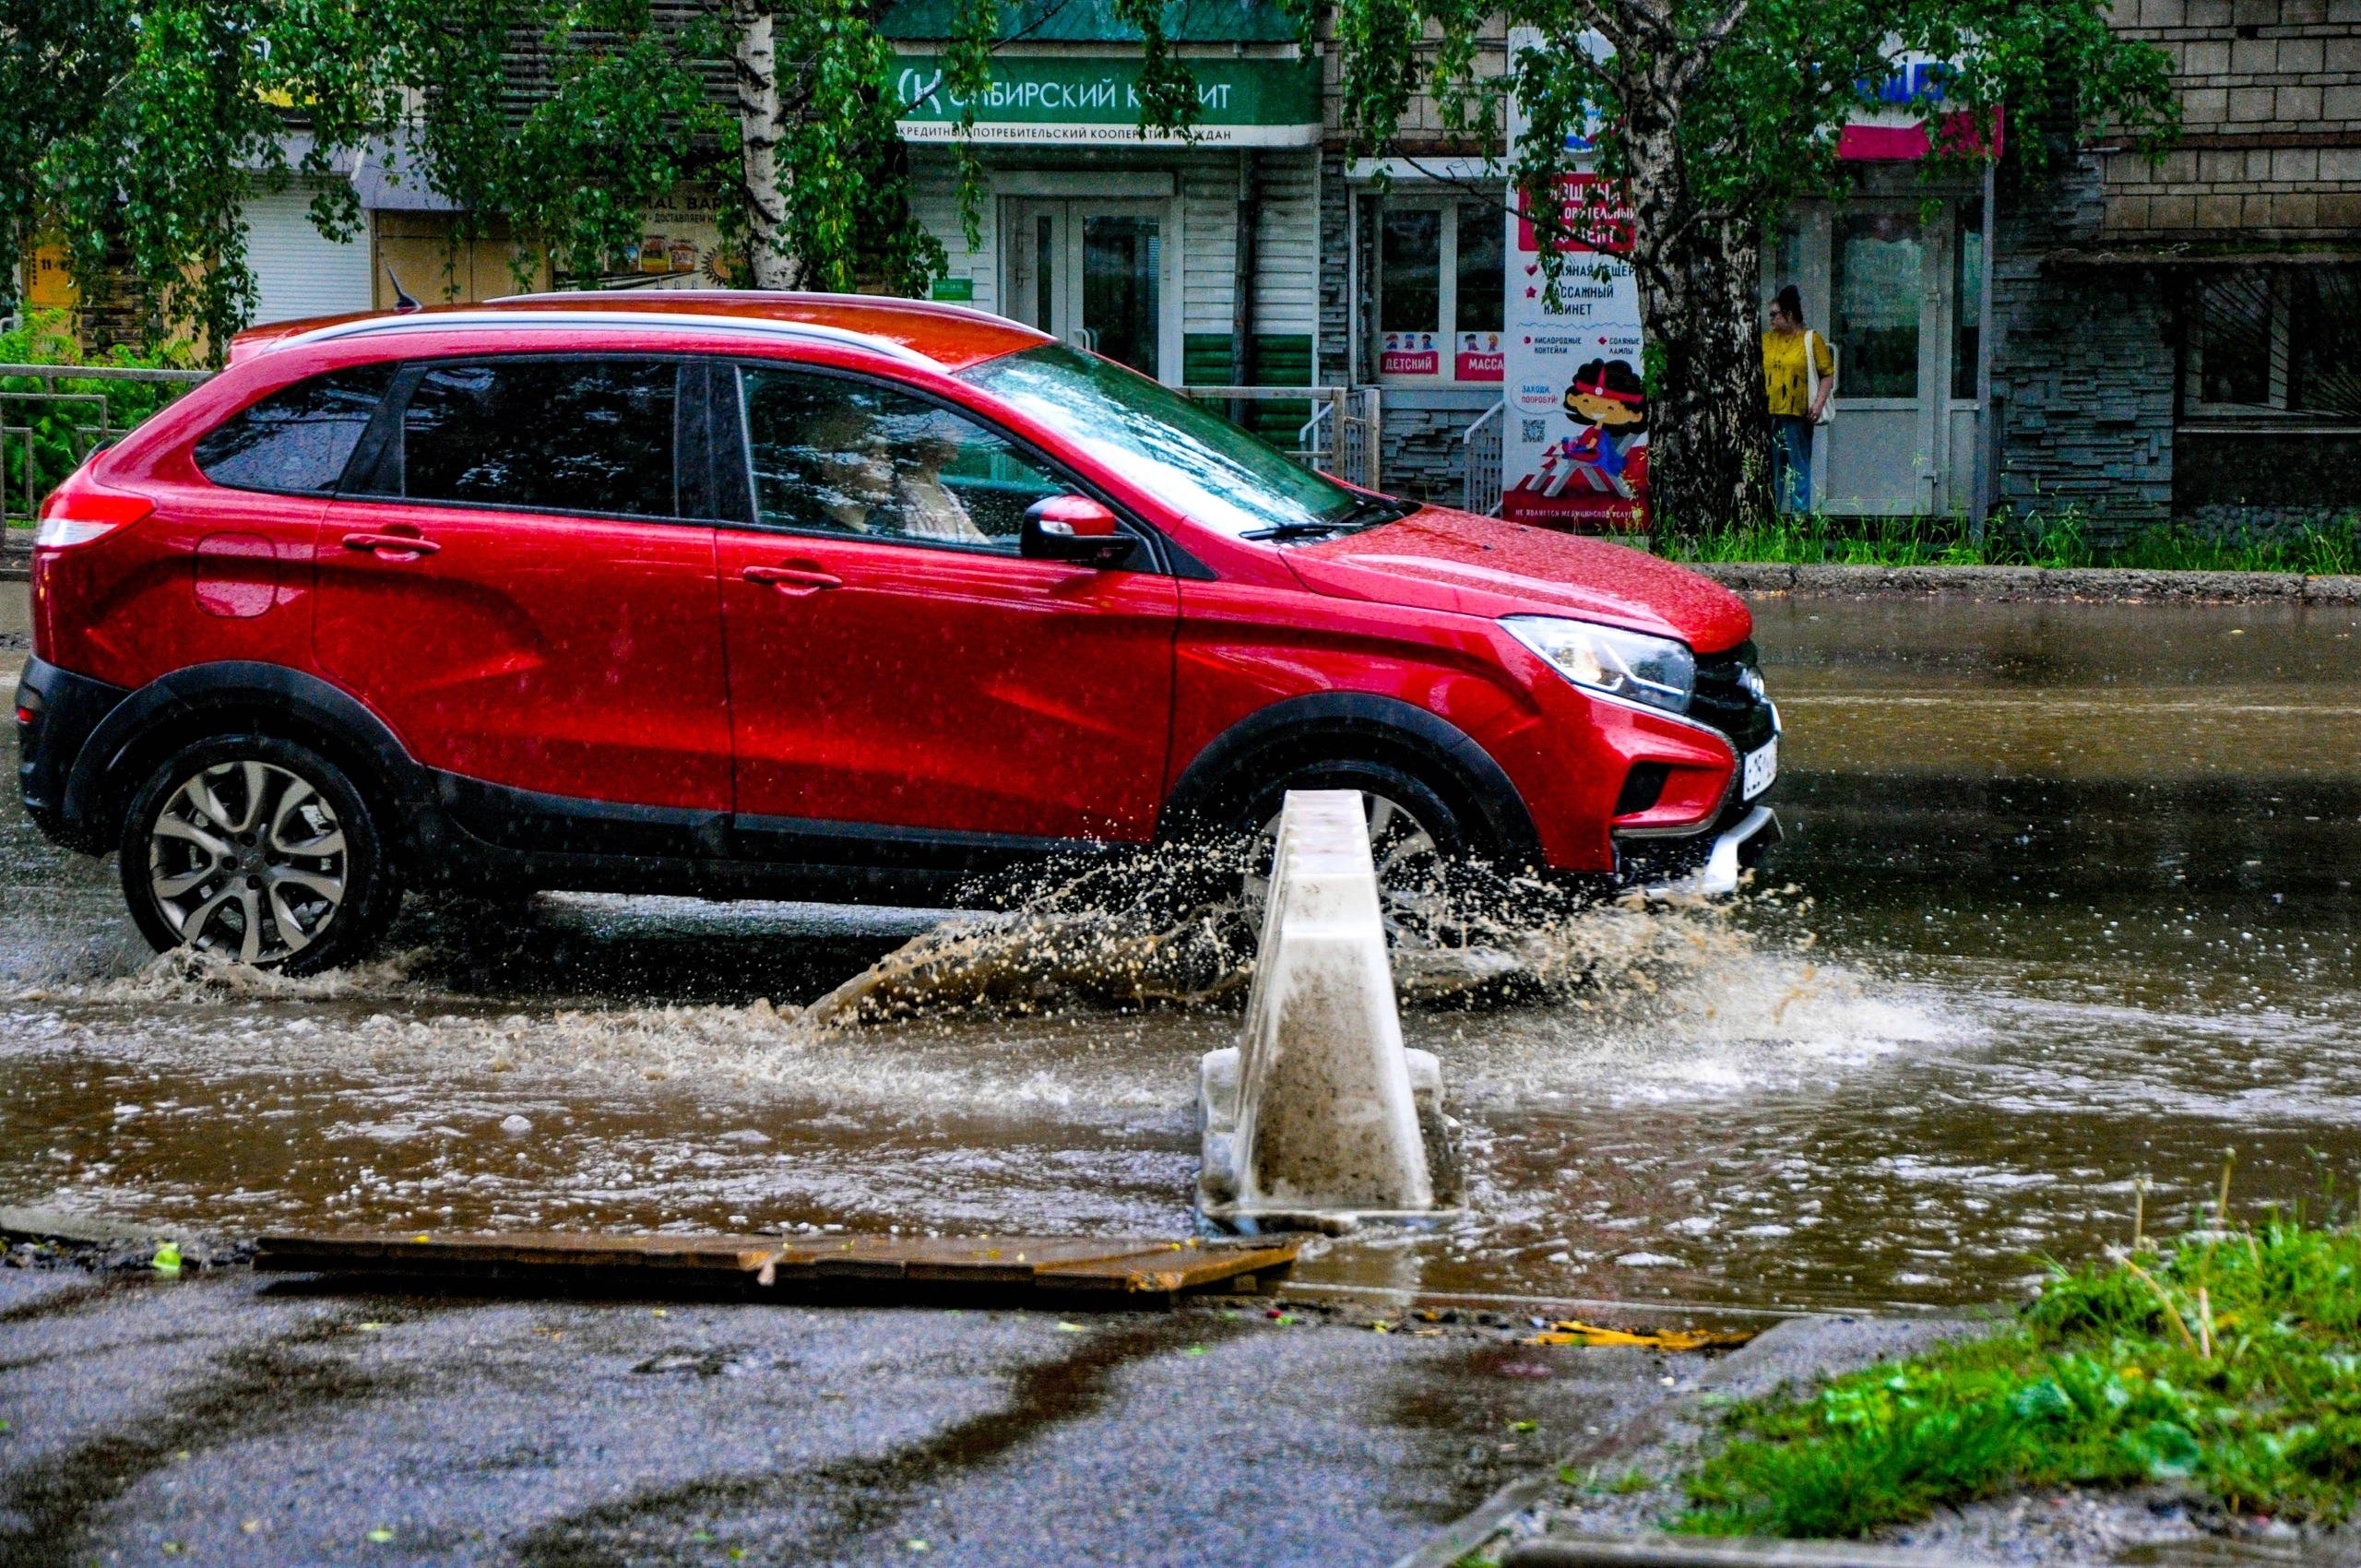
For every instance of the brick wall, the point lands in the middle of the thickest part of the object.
(1336, 347)
(1422, 457)
(2083, 359)
(2271, 115)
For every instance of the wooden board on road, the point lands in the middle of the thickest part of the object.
(1127, 1271)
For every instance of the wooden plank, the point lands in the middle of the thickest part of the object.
(1176, 1268)
(1702, 1551)
(425, 1252)
(1131, 1266)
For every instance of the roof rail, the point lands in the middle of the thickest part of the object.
(518, 320)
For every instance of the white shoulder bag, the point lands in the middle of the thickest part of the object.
(1811, 379)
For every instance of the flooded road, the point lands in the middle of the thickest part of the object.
(2066, 900)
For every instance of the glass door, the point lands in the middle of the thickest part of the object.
(1035, 249)
(1092, 273)
(1878, 451)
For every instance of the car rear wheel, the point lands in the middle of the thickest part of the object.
(1415, 841)
(260, 851)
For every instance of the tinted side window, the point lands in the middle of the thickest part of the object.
(568, 436)
(300, 437)
(851, 457)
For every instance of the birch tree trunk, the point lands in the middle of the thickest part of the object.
(1698, 272)
(1709, 429)
(756, 65)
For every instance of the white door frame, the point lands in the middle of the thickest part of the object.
(1019, 218)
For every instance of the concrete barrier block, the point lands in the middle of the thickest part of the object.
(1316, 1112)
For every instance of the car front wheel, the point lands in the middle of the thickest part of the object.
(1415, 841)
(259, 850)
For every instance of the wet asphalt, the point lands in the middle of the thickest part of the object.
(2107, 853)
(227, 1417)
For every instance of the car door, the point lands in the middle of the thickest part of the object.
(527, 592)
(893, 662)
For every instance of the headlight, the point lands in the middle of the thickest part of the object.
(1654, 670)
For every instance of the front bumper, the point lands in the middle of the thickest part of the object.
(1737, 850)
(1731, 702)
(56, 712)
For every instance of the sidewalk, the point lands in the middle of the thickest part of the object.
(2027, 583)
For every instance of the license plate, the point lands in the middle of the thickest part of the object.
(1762, 768)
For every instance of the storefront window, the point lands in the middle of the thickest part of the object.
(2235, 346)
(2275, 340)
(1479, 270)
(1441, 276)
(1410, 292)
(2325, 327)
(1967, 297)
(1878, 287)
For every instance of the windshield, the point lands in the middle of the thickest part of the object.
(1185, 455)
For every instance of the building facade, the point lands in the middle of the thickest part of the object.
(2183, 341)
(2133, 344)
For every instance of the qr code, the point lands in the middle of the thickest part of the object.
(1536, 430)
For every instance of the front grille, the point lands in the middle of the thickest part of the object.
(1722, 701)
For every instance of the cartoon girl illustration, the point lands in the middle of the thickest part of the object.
(1608, 399)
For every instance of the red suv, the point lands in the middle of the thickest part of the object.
(804, 595)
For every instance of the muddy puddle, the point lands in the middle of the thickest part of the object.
(2066, 900)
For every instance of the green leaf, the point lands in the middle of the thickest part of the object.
(2164, 1450)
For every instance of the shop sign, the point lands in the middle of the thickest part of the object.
(1410, 353)
(49, 276)
(680, 237)
(1479, 357)
(1575, 449)
(1069, 98)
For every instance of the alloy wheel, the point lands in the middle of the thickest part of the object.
(247, 859)
(1410, 895)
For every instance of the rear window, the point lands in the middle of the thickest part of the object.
(565, 435)
(298, 439)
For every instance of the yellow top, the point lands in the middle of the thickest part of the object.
(1783, 369)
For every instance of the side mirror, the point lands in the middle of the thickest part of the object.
(1077, 529)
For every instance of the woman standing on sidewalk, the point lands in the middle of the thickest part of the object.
(1799, 373)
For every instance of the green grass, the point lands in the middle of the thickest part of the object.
(2058, 540)
(2227, 1365)
(50, 430)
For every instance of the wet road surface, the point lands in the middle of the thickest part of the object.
(2065, 902)
(217, 1420)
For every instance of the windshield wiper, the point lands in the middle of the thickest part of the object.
(1297, 530)
(1368, 515)
(1375, 510)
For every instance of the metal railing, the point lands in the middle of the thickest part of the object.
(45, 435)
(1345, 435)
(1482, 441)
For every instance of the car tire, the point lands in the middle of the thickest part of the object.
(1419, 840)
(260, 851)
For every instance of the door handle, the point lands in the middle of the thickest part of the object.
(399, 546)
(795, 580)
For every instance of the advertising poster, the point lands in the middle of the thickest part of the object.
(681, 247)
(1410, 353)
(1479, 357)
(1574, 453)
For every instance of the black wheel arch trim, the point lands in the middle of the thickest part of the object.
(174, 709)
(1216, 778)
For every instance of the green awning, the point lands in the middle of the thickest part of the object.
(1094, 99)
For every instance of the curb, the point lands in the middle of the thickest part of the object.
(1793, 1354)
(82, 1230)
(2005, 584)
(1705, 1552)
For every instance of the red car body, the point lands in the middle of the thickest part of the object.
(626, 702)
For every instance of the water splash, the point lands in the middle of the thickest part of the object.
(189, 974)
